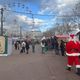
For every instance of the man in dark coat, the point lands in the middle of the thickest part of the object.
(62, 48)
(27, 46)
(56, 45)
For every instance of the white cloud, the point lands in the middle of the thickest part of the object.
(21, 20)
(57, 5)
(61, 5)
(47, 6)
(29, 21)
(57, 8)
(44, 10)
(67, 1)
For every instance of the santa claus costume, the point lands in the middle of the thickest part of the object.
(73, 53)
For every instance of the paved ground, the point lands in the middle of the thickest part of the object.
(35, 66)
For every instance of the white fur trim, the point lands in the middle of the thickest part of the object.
(73, 54)
(77, 66)
(69, 65)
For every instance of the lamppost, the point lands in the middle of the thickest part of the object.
(1, 22)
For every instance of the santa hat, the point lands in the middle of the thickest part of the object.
(72, 36)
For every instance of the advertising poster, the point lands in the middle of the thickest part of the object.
(3, 45)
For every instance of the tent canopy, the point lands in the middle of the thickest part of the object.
(62, 36)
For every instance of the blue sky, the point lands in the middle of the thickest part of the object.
(45, 12)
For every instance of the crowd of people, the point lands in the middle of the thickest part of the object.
(71, 49)
(52, 43)
(46, 45)
(21, 45)
(24, 45)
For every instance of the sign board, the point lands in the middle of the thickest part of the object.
(3, 46)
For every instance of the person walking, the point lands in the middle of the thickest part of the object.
(15, 45)
(56, 45)
(73, 53)
(18, 45)
(43, 46)
(27, 46)
(33, 45)
(62, 48)
(23, 45)
(52, 43)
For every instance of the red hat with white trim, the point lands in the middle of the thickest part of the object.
(72, 36)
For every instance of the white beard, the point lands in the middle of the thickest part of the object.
(73, 39)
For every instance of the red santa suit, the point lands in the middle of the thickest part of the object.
(73, 52)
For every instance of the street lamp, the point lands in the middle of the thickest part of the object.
(1, 22)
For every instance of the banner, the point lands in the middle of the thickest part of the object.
(3, 45)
